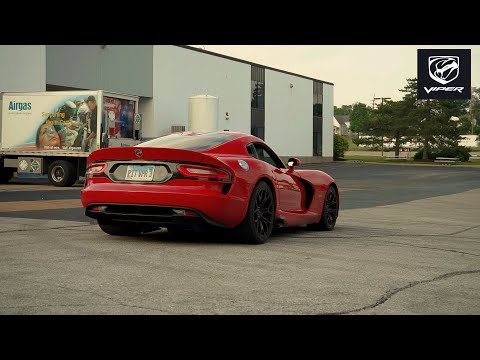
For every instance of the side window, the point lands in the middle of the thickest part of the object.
(251, 151)
(267, 155)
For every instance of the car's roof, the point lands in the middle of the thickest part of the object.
(212, 142)
(234, 134)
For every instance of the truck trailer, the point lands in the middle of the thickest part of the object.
(53, 132)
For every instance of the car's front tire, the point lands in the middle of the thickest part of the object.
(330, 212)
(257, 225)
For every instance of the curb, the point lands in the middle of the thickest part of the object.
(404, 164)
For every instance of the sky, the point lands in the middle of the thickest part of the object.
(358, 71)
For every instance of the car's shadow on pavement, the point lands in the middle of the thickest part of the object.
(189, 237)
(217, 236)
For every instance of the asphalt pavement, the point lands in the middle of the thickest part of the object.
(407, 242)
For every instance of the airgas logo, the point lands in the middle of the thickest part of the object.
(19, 106)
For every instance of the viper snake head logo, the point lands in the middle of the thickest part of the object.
(443, 69)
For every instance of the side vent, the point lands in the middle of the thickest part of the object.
(226, 189)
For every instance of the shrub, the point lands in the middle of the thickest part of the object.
(460, 152)
(419, 155)
(446, 152)
(464, 153)
(340, 145)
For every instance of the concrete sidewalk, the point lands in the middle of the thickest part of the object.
(388, 153)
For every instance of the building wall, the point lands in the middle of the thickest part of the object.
(22, 68)
(180, 73)
(165, 76)
(288, 114)
(124, 69)
(146, 108)
(469, 141)
(327, 136)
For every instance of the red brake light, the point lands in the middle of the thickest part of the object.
(203, 172)
(95, 169)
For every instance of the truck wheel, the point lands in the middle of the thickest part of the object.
(61, 173)
(5, 175)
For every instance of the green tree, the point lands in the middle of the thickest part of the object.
(465, 125)
(429, 120)
(424, 121)
(391, 120)
(360, 118)
(343, 110)
(473, 113)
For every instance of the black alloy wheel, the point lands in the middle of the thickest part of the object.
(331, 208)
(263, 212)
(258, 223)
(330, 212)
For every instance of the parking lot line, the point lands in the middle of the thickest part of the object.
(10, 206)
(22, 187)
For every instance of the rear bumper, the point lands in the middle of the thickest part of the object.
(154, 204)
(150, 214)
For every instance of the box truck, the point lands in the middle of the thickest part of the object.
(53, 132)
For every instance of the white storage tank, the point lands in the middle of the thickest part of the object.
(203, 113)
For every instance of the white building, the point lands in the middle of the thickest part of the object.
(469, 140)
(336, 126)
(343, 122)
(292, 113)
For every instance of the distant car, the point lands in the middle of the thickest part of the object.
(189, 180)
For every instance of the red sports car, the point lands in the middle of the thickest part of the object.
(189, 180)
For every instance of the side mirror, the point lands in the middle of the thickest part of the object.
(292, 162)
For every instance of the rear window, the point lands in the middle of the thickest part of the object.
(193, 142)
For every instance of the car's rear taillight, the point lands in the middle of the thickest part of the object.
(204, 172)
(95, 169)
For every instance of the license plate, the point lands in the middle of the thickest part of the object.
(140, 173)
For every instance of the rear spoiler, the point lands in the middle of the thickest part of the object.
(153, 153)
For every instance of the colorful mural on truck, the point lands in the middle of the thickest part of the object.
(50, 122)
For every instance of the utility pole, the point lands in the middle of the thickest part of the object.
(383, 99)
(373, 101)
(471, 113)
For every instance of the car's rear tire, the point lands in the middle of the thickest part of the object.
(330, 212)
(62, 173)
(257, 225)
(124, 229)
(5, 174)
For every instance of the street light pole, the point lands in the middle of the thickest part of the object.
(471, 113)
(383, 99)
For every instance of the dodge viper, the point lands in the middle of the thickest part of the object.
(193, 180)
